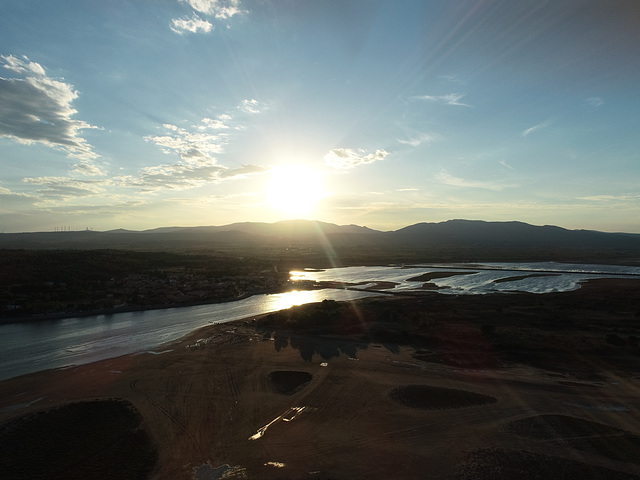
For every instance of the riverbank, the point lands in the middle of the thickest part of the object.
(449, 387)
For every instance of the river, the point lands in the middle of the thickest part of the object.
(33, 346)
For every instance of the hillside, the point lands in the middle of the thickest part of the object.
(458, 240)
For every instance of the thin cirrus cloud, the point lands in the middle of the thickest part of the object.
(218, 9)
(346, 158)
(528, 131)
(63, 188)
(448, 99)
(448, 179)
(186, 176)
(419, 139)
(35, 108)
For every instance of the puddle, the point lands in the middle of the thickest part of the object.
(287, 416)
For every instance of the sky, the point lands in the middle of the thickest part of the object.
(150, 113)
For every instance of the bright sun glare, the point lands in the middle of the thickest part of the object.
(294, 190)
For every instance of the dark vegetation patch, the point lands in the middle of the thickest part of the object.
(502, 464)
(288, 382)
(100, 439)
(554, 331)
(80, 281)
(591, 437)
(436, 398)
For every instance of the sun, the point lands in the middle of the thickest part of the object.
(294, 190)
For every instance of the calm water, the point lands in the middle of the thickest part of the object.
(30, 347)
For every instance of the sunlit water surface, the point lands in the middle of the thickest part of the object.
(34, 346)
(539, 277)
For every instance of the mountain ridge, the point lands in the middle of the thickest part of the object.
(251, 237)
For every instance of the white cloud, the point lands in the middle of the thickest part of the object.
(344, 158)
(38, 109)
(244, 171)
(222, 9)
(219, 9)
(198, 166)
(251, 105)
(194, 25)
(419, 139)
(215, 123)
(537, 127)
(192, 147)
(448, 99)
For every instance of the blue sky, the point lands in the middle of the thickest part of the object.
(148, 113)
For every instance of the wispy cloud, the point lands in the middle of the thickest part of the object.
(178, 176)
(448, 99)
(251, 105)
(192, 147)
(196, 147)
(194, 24)
(595, 102)
(39, 109)
(417, 139)
(526, 132)
(612, 198)
(219, 123)
(448, 179)
(183, 176)
(218, 9)
(55, 189)
(345, 158)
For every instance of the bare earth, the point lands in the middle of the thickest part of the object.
(533, 396)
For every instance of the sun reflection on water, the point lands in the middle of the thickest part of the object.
(286, 300)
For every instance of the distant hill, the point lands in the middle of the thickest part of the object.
(477, 239)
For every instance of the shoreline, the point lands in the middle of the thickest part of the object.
(391, 387)
(301, 286)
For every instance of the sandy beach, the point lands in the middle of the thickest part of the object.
(492, 386)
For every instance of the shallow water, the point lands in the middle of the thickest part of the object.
(33, 346)
(45, 344)
(479, 278)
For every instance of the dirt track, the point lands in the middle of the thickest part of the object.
(210, 406)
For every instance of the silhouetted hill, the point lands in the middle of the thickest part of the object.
(510, 234)
(454, 239)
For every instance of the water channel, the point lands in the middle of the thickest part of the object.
(34, 346)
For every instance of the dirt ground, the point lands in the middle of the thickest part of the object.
(251, 400)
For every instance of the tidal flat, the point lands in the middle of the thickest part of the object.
(436, 386)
